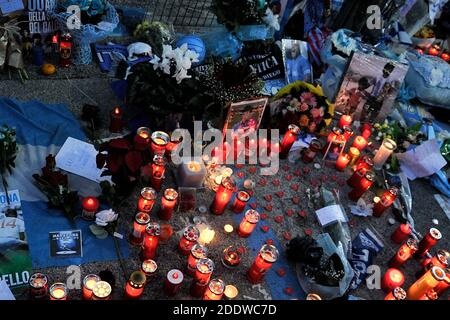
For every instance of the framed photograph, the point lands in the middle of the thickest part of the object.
(245, 117)
(66, 243)
(296, 61)
(369, 87)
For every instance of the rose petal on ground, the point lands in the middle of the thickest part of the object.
(289, 212)
(254, 205)
(288, 177)
(295, 187)
(296, 200)
(281, 272)
(278, 219)
(268, 197)
(268, 207)
(308, 232)
(287, 235)
(289, 291)
(280, 194)
(263, 216)
(265, 229)
(302, 213)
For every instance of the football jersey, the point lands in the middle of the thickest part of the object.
(11, 227)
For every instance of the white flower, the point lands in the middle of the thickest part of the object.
(182, 74)
(155, 62)
(271, 20)
(104, 217)
(167, 52)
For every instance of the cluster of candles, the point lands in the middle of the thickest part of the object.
(436, 51)
(434, 277)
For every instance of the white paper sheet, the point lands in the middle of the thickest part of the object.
(330, 214)
(5, 292)
(79, 157)
(422, 161)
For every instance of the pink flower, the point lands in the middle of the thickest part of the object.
(304, 107)
(308, 98)
(315, 112)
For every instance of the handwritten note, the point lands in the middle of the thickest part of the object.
(330, 214)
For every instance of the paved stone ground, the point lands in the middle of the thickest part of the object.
(87, 85)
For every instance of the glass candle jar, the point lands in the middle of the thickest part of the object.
(58, 291)
(364, 185)
(354, 154)
(266, 257)
(146, 200)
(168, 202)
(427, 242)
(116, 122)
(160, 140)
(158, 170)
(335, 142)
(188, 240)
(345, 120)
(215, 290)
(172, 146)
(142, 139)
(314, 147)
(313, 296)
(38, 286)
(366, 130)
(440, 259)
(404, 253)
(174, 280)
(101, 291)
(248, 223)
(205, 267)
(197, 252)
(88, 284)
(356, 178)
(230, 292)
(135, 285)
(360, 143)
(364, 162)
(342, 162)
(90, 207)
(387, 199)
(443, 285)
(401, 233)
(149, 268)
(425, 283)
(223, 196)
(348, 132)
(231, 257)
(150, 242)
(288, 140)
(392, 279)
(387, 147)
(140, 222)
(396, 294)
(241, 201)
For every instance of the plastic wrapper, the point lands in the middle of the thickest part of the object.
(365, 247)
(309, 284)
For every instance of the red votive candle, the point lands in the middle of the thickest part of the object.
(396, 294)
(366, 130)
(150, 242)
(342, 162)
(188, 239)
(335, 142)
(205, 268)
(248, 223)
(356, 178)
(168, 202)
(172, 147)
(427, 242)
(58, 291)
(314, 147)
(440, 259)
(215, 290)
(160, 140)
(288, 140)
(101, 291)
(146, 200)
(231, 257)
(364, 162)
(88, 284)
(401, 233)
(425, 283)
(434, 50)
(404, 253)
(142, 139)
(241, 201)
(135, 285)
(90, 207)
(364, 185)
(387, 199)
(173, 282)
(443, 285)
(266, 257)
(445, 56)
(116, 123)
(348, 132)
(158, 170)
(360, 143)
(197, 252)
(392, 279)
(149, 268)
(140, 222)
(345, 120)
(38, 286)
(223, 196)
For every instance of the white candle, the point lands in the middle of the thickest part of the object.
(388, 146)
(192, 174)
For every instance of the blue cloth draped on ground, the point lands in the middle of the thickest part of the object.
(275, 283)
(42, 129)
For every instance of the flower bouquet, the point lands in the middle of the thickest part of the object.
(302, 104)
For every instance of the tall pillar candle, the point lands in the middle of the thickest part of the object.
(266, 257)
(168, 202)
(427, 242)
(223, 196)
(151, 239)
(386, 149)
(140, 222)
